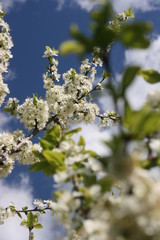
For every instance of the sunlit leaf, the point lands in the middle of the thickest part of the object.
(71, 47)
(150, 75)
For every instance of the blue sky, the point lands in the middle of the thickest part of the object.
(35, 24)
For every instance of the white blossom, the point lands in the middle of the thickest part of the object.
(33, 114)
(50, 52)
(26, 155)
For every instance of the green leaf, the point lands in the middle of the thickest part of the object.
(55, 132)
(47, 48)
(106, 183)
(70, 133)
(25, 208)
(150, 75)
(23, 223)
(134, 34)
(71, 47)
(53, 136)
(128, 77)
(141, 123)
(38, 226)
(89, 180)
(45, 144)
(39, 155)
(81, 142)
(55, 159)
(44, 166)
(129, 12)
(35, 99)
(19, 215)
(92, 153)
(30, 219)
(105, 74)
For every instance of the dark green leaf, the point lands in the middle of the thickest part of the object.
(106, 183)
(128, 77)
(141, 123)
(134, 34)
(19, 215)
(89, 180)
(44, 166)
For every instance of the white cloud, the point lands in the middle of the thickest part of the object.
(119, 5)
(9, 4)
(4, 121)
(60, 4)
(94, 137)
(10, 75)
(21, 194)
(137, 5)
(84, 4)
(147, 59)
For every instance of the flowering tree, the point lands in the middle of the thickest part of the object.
(109, 197)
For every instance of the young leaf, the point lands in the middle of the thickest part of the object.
(81, 142)
(71, 47)
(23, 223)
(150, 75)
(70, 133)
(55, 159)
(38, 226)
(30, 219)
(129, 12)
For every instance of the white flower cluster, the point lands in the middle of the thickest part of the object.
(115, 23)
(3, 89)
(96, 59)
(69, 101)
(108, 118)
(50, 52)
(8, 143)
(53, 63)
(10, 211)
(11, 102)
(153, 99)
(33, 113)
(135, 214)
(5, 54)
(155, 145)
(26, 155)
(9, 151)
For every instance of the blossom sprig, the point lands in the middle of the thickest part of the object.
(5, 54)
(108, 118)
(34, 112)
(50, 54)
(63, 105)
